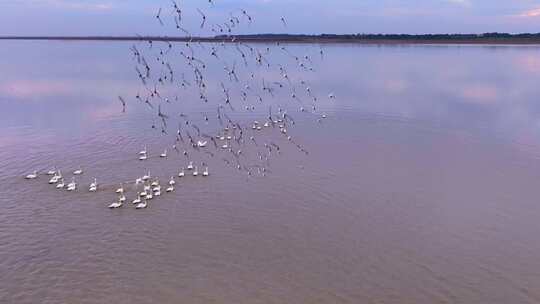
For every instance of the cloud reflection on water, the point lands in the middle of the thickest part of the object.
(486, 87)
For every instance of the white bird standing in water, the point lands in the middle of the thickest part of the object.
(115, 205)
(164, 154)
(170, 189)
(196, 172)
(190, 166)
(137, 200)
(142, 205)
(205, 172)
(121, 189)
(181, 173)
(146, 177)
(144, 151)
(172, 182)
(52, 171)
(55, 178)
(32, 175)
(146, 189)
(93, 186)
(72, 186)
(78, 171)
(61, 184)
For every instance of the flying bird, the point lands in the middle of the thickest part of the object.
(123, 102)
(158, 17)
(203, 18)
(283, 21)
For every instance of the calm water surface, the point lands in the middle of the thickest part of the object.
(420, 187)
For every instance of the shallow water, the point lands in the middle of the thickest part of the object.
(420, 187)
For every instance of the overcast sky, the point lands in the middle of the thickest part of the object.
(129, 17)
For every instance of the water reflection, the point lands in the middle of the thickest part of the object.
(58, 83)
(426, 169)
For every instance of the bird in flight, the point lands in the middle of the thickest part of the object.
(123, 102)
(158, 17)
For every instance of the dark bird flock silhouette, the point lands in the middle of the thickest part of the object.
(249, 94)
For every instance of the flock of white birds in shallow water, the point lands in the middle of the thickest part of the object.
(249, 81)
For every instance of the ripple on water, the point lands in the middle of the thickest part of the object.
(392, 189)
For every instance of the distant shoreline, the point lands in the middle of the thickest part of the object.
(531, 39)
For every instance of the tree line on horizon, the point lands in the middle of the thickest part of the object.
(493, 35)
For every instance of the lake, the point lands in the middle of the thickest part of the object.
(420, 186)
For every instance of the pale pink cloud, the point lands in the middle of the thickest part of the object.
(395, 85)
(480, 93)
(37, 89)
(27, 89)
(528, 63)
(73, 4)
(530, 13)
(460, 2)
(405, 11)
(104, 111)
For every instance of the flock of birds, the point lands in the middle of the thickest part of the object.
(244, 80)
(146, 187)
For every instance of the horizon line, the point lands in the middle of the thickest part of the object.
(485, 38)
